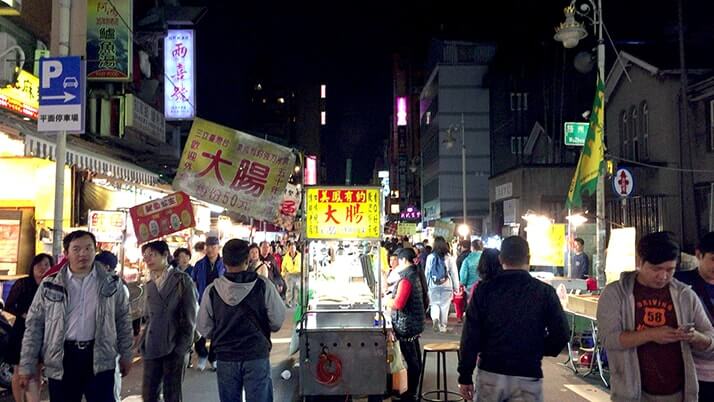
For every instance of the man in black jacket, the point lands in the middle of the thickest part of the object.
(512, 321)
(408, 317)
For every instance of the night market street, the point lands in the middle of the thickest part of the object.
(560, 383)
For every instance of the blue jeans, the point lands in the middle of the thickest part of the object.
(253, 375)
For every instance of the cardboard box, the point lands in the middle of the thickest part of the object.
(583, 304)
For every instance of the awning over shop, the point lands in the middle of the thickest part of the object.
(85, 158)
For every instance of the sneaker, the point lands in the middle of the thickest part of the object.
(436, 325)
(214, 365)
(442, 329)
(201, 366)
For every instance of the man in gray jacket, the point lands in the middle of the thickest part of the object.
(238, 312)
(77, 325)
(650, 325)
(170, 309)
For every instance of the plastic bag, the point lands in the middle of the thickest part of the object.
(396, 363)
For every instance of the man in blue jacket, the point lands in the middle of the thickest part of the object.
(207, 270)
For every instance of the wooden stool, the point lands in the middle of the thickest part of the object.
(441, 349)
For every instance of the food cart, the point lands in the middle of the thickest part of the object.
(343, 331)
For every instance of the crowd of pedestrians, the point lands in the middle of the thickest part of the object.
(73, 321)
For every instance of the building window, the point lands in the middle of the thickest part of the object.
(711, 125)
(323, 118)
(634, 131)
(645, 132)
(323, 91)
(519, 101)
(517, 144)
(625, 139)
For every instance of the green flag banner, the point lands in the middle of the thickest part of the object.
(590, 164)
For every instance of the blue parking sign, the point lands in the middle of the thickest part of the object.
(62, 94)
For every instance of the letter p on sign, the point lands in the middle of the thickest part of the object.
(50, 69)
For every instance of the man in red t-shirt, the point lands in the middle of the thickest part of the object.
(650, 325)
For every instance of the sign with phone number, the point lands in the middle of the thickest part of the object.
(343, 213)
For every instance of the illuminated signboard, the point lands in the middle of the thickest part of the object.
(310, 170)
(411, 213)
(179, 75)
(23, 96)
(343, 213)
(401, 111)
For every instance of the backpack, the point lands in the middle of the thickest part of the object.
(437, 270)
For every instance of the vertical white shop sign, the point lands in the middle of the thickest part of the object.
(179, 75)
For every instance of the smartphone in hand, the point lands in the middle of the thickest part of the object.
(687, 327)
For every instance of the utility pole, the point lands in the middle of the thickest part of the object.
(61, 146)
(463, 169)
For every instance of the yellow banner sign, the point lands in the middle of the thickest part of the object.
(547, 244)
(406, 229)
(235, 170)
(343, 213)
(22, 96)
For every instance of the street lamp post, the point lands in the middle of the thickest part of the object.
(450, 141)
(570, 33)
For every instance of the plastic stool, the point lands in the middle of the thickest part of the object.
(441, 349)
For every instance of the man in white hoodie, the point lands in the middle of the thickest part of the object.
(238, 312)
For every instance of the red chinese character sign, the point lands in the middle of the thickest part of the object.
(235, 170)
(343, 213)
(162, 217)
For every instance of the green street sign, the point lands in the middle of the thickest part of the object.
(575, 133)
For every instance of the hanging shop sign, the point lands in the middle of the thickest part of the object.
(444, 229)
(142, 117)
(406, 229)
(179, 75)
(109, 40)
(107, 226)
(235, 170)
(23, 96)
(343, 213)
(158, 218)
(289, 207)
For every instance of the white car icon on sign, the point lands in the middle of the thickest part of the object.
(70, 82)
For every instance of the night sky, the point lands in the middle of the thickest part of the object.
(349, 45)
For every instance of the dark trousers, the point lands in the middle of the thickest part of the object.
(706, 391)
(411, 350)
(202, 350)
(79, 378)
(163, 373)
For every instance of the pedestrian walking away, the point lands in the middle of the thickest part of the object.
(170, 310)
(408, 318)
(702, 282)
(510, 350)
(18, 303)
(77, 325)
(238, 313)
(468, 272)
(207, 270)
(442, 280)
(651, 325)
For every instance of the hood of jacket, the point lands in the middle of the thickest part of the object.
(627, 282)
(234, 287)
